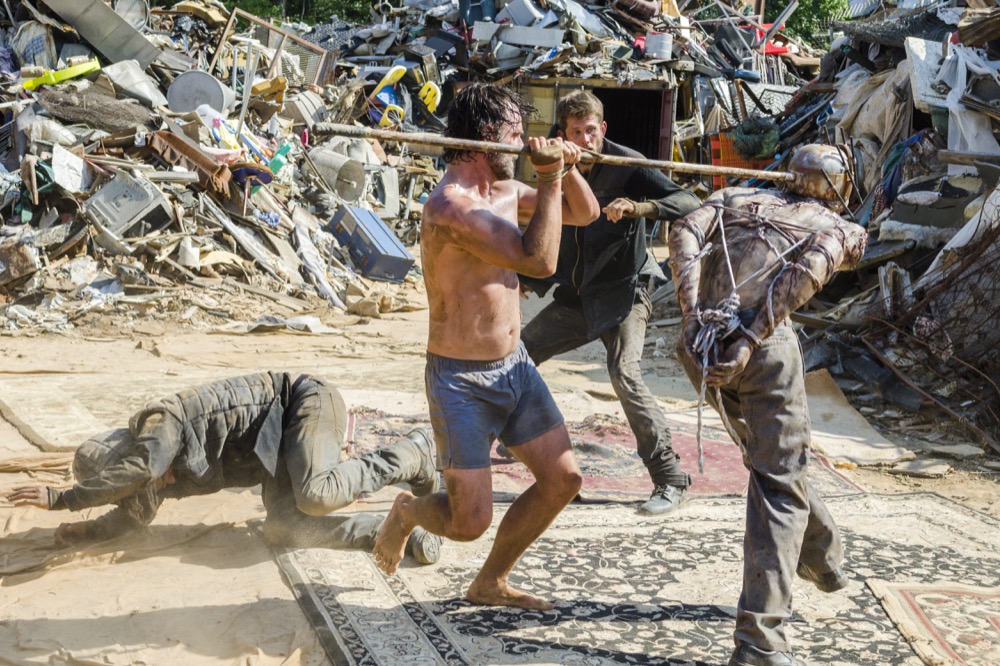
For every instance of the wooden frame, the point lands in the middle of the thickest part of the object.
(284, 35)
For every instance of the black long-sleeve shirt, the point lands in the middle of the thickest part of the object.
(599, 264)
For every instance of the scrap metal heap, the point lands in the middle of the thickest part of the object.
(916, 103)
(162, 163)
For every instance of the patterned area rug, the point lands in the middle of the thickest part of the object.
(638, 591)
(606, 451)
(947, 623)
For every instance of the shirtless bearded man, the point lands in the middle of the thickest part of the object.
(480, 382)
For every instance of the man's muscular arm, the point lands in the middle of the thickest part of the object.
(580, 206)
(541, 238)
(470, 223)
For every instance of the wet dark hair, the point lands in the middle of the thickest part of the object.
(479, 111)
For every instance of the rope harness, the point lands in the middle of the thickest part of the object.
(718, 323)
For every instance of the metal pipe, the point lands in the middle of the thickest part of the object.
(427, 139)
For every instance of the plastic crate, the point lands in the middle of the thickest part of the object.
(724, 153)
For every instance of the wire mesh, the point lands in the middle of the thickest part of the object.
(947, 344)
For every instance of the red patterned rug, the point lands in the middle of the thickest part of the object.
(946, 623)
(606, 451)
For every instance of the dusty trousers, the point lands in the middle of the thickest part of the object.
(560, 328)
(310, 480)
(786, 521)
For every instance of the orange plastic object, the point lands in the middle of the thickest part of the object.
(724, 153)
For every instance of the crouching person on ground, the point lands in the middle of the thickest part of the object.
(281, 430)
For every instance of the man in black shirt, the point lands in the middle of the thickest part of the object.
(603, 279)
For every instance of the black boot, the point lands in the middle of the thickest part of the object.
(424, 546)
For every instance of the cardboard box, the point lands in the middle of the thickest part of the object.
(374, 248)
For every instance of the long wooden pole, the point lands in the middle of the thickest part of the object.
(427, 139)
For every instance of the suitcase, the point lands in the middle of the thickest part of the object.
(374, 248)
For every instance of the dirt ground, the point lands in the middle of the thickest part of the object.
(386, 353)
(201, 565)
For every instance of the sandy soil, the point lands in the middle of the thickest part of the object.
(385, 353)
(201, 566)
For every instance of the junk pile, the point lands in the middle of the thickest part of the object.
(165, 163)
(178, 163)
(159, 164)
(715, 61)
(911, 94)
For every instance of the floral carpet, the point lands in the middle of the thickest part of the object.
(606, 452)
(947, 623)
(634, 590)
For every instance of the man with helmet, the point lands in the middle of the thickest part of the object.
(743, 262)
(282, 430)
(822, 173)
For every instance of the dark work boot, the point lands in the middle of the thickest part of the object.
(424, 546)
(425, 480)
(665, 498)
(750, 655)
(830, 581)
(408, 460)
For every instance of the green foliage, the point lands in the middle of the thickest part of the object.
(353, 11)
(261, 8)
(811, 20)
(306, 11)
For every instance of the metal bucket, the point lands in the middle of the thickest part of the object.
(343, 175)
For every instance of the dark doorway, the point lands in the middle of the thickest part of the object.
(634, 118)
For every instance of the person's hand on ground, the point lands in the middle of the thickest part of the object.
(30, 496)
(68, 534)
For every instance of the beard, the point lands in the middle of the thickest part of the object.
(502, 165)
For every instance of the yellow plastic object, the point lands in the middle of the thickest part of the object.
(52, 77)
(393, 115)
(272, 90)
(430, 94)
(390, 79)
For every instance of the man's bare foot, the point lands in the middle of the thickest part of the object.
(390, 542)
(503, 594)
